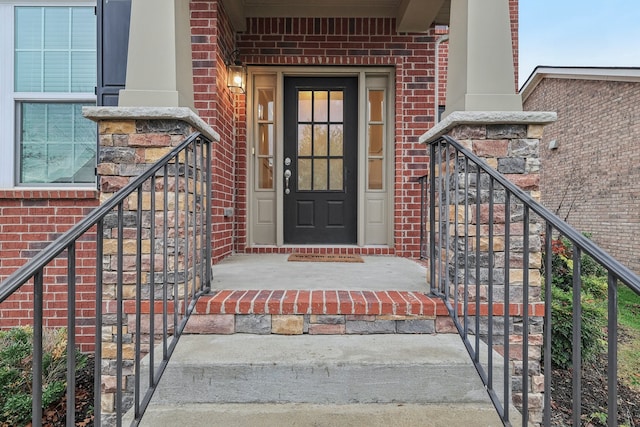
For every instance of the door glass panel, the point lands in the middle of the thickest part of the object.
(320, 140)
(375, 140)
(375, 174)
(304, 174)
(336, 136)
(304, 140)
(336, 106)
(320, 105)
(376, 105)
(304, 106)
(320, 174)
(335, 174)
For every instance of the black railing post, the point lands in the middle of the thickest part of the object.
(38, 307)
(208, 216)
(507, 292)
(71, 334)
(97, 356)
(546, 336)
(577, 339)
(422, 180)
(152, 278)
(525, 318)
(138, 301)
(432, 219)
(612, 351)
(119, 315)
(466, 249)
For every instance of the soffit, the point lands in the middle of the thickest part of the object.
(411, 15)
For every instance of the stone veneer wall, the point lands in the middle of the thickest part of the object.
(513, 150)
(131, 141)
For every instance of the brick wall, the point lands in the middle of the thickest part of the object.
(316, 41)
(593, 178)
(212, 42)
(362, 42)
(29, 221)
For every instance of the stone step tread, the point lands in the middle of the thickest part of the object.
(304, 415)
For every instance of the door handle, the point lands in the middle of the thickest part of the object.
(287, 175)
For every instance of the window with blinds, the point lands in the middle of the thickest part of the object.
(54, 76)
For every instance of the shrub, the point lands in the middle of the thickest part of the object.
(594, 289)
(16, 359)
(592, 323)
(596, 286)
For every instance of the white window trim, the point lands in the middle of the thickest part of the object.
(8, 98)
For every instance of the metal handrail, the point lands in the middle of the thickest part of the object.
(200, 223)
(453, 262)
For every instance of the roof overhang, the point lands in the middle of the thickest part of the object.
(618, 74)
(410, 15)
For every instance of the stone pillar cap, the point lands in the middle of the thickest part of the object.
(151, 113)
(458, 118)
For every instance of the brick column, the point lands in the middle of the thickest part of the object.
(508, 143)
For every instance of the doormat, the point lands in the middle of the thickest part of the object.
(324, 258)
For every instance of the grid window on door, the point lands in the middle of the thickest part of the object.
(320, 140)
(55, 75)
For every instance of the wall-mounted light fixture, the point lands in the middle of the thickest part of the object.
(236, 74)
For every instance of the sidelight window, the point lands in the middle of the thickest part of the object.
(376, 140)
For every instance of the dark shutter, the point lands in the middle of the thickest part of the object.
(113, 41)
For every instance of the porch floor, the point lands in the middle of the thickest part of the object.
(274, 272)
(268, 284)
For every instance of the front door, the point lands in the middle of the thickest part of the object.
(320, 160)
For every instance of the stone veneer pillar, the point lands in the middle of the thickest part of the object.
(509, 143)
(131, 140)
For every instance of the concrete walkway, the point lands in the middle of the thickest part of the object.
(273, 271)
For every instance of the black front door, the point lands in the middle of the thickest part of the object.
(320, 160)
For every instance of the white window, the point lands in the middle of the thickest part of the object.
(49, 74)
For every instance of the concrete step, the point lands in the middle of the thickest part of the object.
(305, 415)
(325, 369)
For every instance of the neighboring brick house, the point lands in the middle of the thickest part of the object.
(590, 157)
(382, 55)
